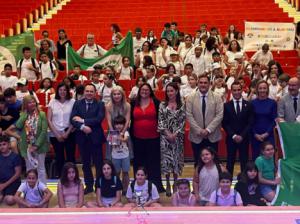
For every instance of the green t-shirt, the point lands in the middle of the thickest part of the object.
(266, 167)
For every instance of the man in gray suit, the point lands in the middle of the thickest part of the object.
(289, 105)
(204, 111)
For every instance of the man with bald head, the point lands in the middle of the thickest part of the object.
(289, 105)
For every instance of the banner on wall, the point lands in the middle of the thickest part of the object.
(279, 36)
(111, 58)
(11, 48)
(288, 192)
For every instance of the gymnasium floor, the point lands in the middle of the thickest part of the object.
(207, 215)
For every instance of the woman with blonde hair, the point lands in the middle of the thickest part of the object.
(118, 105)
(32, 126)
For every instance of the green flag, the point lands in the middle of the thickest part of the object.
(11, 48)
(288, 193)
(112, 58)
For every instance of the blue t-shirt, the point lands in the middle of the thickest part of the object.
(17, 105)
(7, 166)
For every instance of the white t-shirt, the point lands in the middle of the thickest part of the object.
(184, 52)
(273, 91)
(105, 93)
(144, 192)
(61, 113)
(46, 70)
(121, 151)
(125, 73)
(8, 82)
(25, 72)
(20, 95)
(187, 90)
(262, 58)
(98, 86)
(152, 82)
(231, 56)
(91, 51)
(137, 44)
(32, 195)
(160, 61)
(198, 64)
(178, 67)
(184, 80)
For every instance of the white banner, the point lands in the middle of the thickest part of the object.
(279, 36)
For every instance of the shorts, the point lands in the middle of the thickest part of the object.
(203, 203)
(107, 201)
(11, 189)
(266, 189)
(121, 164)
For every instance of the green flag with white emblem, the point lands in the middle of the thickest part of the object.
(111, 58)
(11, 48)
(288, 193)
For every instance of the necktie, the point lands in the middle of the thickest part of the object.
(295, 104)
(238, 109)
(203, 109)
(88, 105)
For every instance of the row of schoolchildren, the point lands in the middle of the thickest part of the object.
(212, 185)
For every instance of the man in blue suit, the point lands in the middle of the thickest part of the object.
(87, 115)
(237, 121)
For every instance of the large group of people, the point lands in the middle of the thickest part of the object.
(209, 84)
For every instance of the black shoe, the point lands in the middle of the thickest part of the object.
(88, 190)
(161, 189)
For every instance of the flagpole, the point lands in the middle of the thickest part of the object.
(67, 65)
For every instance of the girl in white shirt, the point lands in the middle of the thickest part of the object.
(35, 193)
(142, 192)
(150, 76)
(125, 71)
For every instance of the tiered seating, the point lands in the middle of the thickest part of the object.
(82, 16)
(17, 15)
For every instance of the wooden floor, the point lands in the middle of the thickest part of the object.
(188, 172)
(169, 215)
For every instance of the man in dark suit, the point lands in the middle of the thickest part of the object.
(237, 121)
(86, 117)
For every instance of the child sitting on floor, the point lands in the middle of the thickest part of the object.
(183, 196)
(142, 192)
(224, 195)
(35, 193)
(70, 188)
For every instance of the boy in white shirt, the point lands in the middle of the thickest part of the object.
(23, 90)
(47, 67)
(96, 81)
(76, 75)
(283, 82)
(8, 80)
(28, 67)
(274, 87)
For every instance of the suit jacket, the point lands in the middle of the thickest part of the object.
(213, 116)
(286, 108)
(238, 124)
(92, 118)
